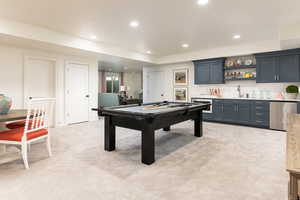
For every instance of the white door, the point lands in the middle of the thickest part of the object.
(77, 93)
(156, 90)
(39, 80)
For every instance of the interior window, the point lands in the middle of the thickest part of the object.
(112, 83)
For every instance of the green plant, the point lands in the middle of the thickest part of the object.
(292, 89)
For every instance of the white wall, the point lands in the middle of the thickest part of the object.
(11, 77)
(134, 81)
(228, 89)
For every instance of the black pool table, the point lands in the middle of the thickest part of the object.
(147, 118)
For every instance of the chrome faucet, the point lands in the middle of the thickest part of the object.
(239, 91)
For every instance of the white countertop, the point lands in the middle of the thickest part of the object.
(257, 99)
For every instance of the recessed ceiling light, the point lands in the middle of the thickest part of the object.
(93, 37)
(134, 24)
(185, 45)
(236, 37)
(149, 52)
(202, 2)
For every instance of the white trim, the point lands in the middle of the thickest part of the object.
(56, 74)
(68, 62)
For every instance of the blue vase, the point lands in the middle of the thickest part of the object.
(5, 104)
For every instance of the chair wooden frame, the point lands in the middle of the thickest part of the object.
(38, 114)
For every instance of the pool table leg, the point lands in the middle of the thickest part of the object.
(109, 135)
(198, 127)
(148, 146)
(167, 128)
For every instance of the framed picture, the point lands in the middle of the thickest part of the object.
(181, 94)
(181, 77)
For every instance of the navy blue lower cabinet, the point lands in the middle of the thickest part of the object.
(260, 114)
(230, 112)
(243, 112)
(207, 116)
(218, 112)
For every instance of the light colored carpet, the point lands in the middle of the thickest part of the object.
(228, 163)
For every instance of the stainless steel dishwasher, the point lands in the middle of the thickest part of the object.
(279, 114)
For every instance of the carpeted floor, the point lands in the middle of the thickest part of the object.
(228, 163)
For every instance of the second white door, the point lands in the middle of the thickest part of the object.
(77, 93)
(156, 90)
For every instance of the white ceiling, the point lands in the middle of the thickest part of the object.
(116, 64)
(164, 24)
(106, 62)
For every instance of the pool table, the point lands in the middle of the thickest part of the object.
(147, 118)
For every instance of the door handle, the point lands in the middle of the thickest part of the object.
(87, 96)
(30, 98)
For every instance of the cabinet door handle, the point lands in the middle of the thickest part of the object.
(259, 102)
(259, 107)
(278, 77)
(237, 108)
(275, 77)
(222, 108)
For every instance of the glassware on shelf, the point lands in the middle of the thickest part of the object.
(238, 74)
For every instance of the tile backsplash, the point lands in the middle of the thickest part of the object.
(260, 90)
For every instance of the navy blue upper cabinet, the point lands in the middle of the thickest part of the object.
(279, 66)
(209, 71)
(217, 72)
(288, 70)
(266, 70)
(202, 73)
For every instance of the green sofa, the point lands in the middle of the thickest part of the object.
(108, 100)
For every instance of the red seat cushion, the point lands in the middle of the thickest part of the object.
(17, 134)
(18, 124)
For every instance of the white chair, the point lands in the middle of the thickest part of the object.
(39, 113)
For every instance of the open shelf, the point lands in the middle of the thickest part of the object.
(240, 79)
(240, 67)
